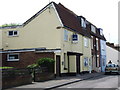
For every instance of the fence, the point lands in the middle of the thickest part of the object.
(43, 74)
(15, 77)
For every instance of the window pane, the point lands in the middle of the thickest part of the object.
(83, 23)
(65, 35)
(85, 42)
(93, 29)
(86, 61)
(10, 33)
(15, 33)
(13, 57)
(97, 44)
(91, 42)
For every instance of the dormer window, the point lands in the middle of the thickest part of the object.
(101, 32)
(12, 33)
(93, 29)
(83, 23)
(75, 38)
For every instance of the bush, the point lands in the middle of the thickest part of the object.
(45, 61)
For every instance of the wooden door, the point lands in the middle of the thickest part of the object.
(77, 64)
(58, 65)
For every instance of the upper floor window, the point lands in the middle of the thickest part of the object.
(74, 38)
(86, 42)
(83, 23)
(65, 35)
(13, 57)
(12, 33)
(93, 29)
(97, 44)
(91, 42)
(101, 32)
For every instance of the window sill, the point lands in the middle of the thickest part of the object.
(13, 36)
(14, 60)
(74, 42)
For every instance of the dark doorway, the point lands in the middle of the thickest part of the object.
(78, 64)
(58, 65)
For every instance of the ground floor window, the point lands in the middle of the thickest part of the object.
(98, 62)
(13, 57)
(85, 61)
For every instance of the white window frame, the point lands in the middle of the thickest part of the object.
(83, 23)
(86, 42)
(8, 57)
(93, 29)
(13, 33)
(65, 35)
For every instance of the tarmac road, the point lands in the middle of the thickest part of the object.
(103, 81)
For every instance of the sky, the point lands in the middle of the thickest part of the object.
(101, 13)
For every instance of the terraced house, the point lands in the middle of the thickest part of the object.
(54, 32)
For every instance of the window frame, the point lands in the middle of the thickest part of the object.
(13, 33)
(83, 23)
(86, 42)
(86, 61)
(92, 42)
(8, 57)
(66, 35)
(101, 32)
(97, 44)
(93, 29)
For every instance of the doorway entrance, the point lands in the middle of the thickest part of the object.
(58, 66)
(74, 62)
(77, 64)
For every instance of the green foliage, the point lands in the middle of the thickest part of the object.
(32, 66)
(8, 25)
(5, 67)
(45, 61)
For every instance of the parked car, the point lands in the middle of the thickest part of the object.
(112, 68)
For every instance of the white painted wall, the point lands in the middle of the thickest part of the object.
(112, 54)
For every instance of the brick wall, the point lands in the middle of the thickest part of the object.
(25, 59)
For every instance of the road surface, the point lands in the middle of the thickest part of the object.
(103, 81)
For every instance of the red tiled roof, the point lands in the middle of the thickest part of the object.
(69, 19)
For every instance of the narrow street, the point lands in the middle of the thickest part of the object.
(103, 81)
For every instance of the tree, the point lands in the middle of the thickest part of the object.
(8, 25)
